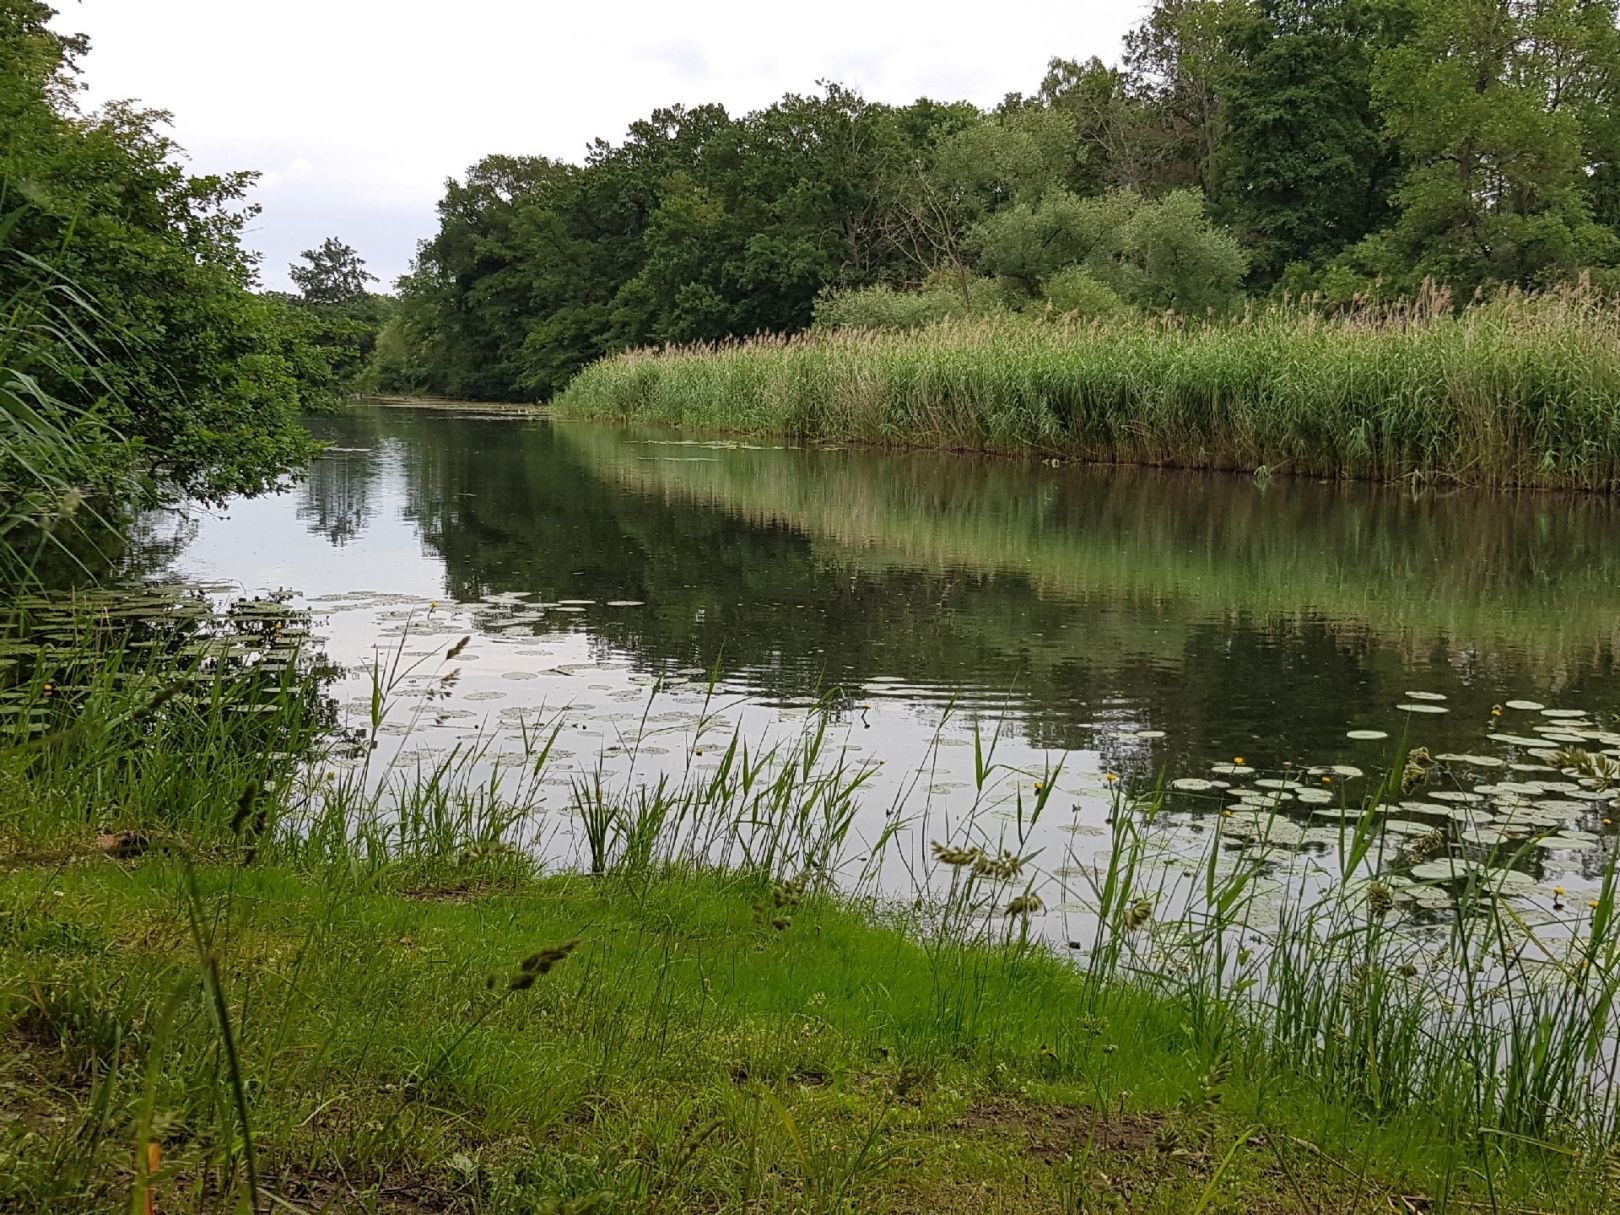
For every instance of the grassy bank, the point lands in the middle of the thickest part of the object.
(231, 978)
(335, 1041)
(1520, 390)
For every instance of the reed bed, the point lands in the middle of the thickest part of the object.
(1516, 390)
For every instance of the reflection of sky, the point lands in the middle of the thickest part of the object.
(537, 660)
(261, 543)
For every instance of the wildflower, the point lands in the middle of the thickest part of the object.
(1138, 913)
(50, 688)
(956, 857)
(1227, 813)
(1237, 759)
(1027, 904)
(1110, 777)
(1038, 786)
(1496, 710)
(1559, 891)
(331, 776)
(1327, 780)
(1593, 904)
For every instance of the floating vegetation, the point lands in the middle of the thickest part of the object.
(1366, 735)
(1422, 708)
(1476, 761)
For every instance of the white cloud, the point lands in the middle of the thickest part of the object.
(358, 110)
(274, 179)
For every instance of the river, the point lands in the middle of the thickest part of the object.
(1121, 625)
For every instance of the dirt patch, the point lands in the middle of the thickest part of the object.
(1054, 1132)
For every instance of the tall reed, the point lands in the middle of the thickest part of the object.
(1520, 389)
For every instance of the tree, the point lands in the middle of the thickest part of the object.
(1110, 124)
(1176, 61)
(176, 352)
(1157, 253)
(1304, 167)
(1502, 110)
(333, 273)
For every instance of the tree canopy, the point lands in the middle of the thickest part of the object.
(150, 324)
(1354, 147)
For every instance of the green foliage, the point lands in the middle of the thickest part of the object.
(1502, 112)
(1349, 147)
(339, 321)
(1155, 253)
(53, 452)
(1304, 166)
(1073, 291)
(1518, 390)
(179, 355)
(882, 307)
(332, 273)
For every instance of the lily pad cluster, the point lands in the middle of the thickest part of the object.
(1499, 821)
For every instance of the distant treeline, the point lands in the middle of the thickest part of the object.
(1335, 148)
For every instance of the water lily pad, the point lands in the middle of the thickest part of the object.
(1422, 708)
(1476, 761)
(1401, 826)
(1425, 696)
(1455, 795)
(1527, 706)
(1366, 735)
(1563, 807)
(1508, 881)
(1192, 784)
(1345, 770)
(1445, 869)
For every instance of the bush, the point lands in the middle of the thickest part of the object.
(941, 298)
(1074, 292)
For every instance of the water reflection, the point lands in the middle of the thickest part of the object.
(1230, 617)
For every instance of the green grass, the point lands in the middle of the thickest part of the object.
(685, 1056)
(335, 994)
(1516, 391)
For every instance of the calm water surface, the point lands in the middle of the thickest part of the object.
(1116, 621)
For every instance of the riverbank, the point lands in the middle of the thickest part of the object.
(232, 970)
(470, 1037)
(1517, 391)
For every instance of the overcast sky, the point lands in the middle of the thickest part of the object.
(356, 111)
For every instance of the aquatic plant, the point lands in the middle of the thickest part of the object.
(1517, 389)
